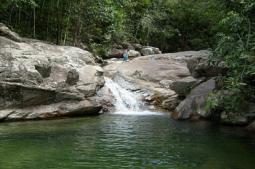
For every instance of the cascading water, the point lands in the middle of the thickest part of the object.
(126, 102)
(124, 99)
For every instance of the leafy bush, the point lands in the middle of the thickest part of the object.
(236, 48)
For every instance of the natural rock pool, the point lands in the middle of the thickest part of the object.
(124, 141)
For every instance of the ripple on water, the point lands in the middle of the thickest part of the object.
(123, 141)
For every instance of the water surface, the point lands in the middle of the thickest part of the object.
(124, 141)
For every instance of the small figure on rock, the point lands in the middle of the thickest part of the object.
(125, 55)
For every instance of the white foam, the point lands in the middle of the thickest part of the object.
(138, 113)
(124, 100)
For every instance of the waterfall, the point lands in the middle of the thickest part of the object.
(124, 100)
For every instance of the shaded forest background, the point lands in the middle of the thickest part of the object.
(227, 27)
(171, 25)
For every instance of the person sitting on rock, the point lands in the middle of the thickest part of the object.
(125, 55)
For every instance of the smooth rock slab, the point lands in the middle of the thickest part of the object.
(62, 109)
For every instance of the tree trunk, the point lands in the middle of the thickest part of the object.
(34, 21)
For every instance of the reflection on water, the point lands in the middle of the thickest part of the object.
(138, 113)
(117, 141)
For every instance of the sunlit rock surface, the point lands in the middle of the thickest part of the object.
(156, 76)
(34, 73)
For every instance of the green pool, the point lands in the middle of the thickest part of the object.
(122, 141)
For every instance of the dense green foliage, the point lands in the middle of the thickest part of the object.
(227, 26)
(168, 24)
(236, 51)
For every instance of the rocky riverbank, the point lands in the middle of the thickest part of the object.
(41, 81)
(179, 82)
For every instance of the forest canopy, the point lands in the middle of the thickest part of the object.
(168, 24)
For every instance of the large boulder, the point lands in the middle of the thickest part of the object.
(137, 46)
(5, 31)
(199, 66)
(115, 53)
(148, 50)
(153, 75)
(67, 109)
(195, 102)
(153, 68)
(133, 53)
(37, 74)
(184, 85)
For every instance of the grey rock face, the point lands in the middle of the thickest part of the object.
(115, 53)
(36, 74)
(72, 77)
(133, 53)
(183, 86)
(166, 83)
(196, 101)
(5, 31)
(67, 108)
(200, 67)
(155, 74)
(148, 50)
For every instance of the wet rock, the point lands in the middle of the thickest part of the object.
(68, 109)
(4, 114)
(171, 103)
